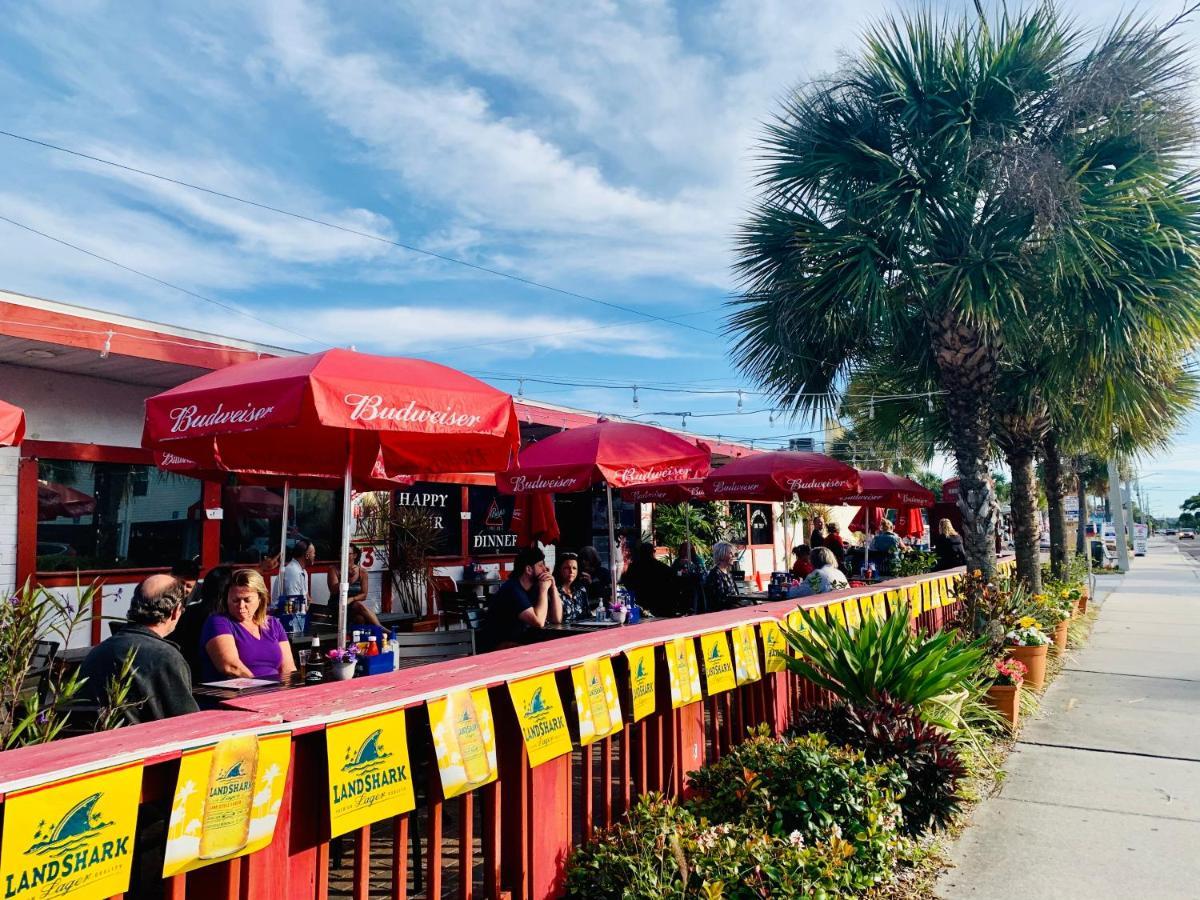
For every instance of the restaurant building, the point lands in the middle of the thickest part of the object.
(81, 500)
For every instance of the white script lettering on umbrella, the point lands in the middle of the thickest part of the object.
(370, 408)
(634, 475)
(188, 418)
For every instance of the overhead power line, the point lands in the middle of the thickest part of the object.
(164, 283)
(354, 231)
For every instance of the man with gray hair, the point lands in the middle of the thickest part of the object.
(162, 681)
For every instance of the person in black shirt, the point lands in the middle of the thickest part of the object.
(948, 546)
(720, 590)
(162, 683)
(204, 603)
(594, 576)
(527, 600)
(654, 585)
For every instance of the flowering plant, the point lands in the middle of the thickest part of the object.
(1010, 672)
(1049, 611)
(349, 655)
(1026, 634)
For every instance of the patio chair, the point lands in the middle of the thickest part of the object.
(418, 648)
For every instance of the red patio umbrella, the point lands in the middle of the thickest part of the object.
(533, 519)
(888, 491)
(670, 492)
(909, 523)
(859, 522)
(336, 414)
(620, 454)
(12, 424)
(781, 475)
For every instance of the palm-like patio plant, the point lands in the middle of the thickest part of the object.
(956, 175)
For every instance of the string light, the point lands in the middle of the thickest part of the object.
(739, 404)
(107, 346)
(635, 396)
(521, 387)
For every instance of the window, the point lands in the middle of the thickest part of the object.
(250, 525)
(114, 516)
(762, 524)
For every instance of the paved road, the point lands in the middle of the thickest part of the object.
(1102, 797)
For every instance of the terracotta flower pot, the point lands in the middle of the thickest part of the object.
(1034, 659)
(1060, 637)
(1081, 605)
(1006, 699)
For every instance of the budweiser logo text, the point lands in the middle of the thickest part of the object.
(370, 408)
(525, 483)
(187, 418)
(801, 484)
(633, 475)
(737, 487)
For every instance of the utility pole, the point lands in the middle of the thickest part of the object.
(1116, 506)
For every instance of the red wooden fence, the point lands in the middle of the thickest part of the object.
(510, 838)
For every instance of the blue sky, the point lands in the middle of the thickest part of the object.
(606, 149)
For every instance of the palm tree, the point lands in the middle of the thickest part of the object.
(953, 176)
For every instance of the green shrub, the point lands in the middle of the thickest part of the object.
(882, 657)
(806, 788)
(895, 733)
(665, 851)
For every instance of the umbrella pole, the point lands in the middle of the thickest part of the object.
(344, 559)
(612, 545)
(283, 527)
(868, 512)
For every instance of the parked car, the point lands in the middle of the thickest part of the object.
(1169, 531)
(1187, 535)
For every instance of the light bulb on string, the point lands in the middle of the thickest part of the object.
(107, 346)
(635, 396)
(520, 387)
(739, 406)
(683, 420)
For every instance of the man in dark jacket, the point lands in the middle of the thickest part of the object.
(162, 682)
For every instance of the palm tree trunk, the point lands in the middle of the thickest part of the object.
(1081, 494)
(1056, 490)
(1019, 456)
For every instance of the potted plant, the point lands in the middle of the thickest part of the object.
(1053, 615)
(1028, 644)
(342, 663)
(1005, 693)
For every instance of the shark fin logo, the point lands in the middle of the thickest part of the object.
(73, 830)
(237, 770)
(641, 668)
(537, 704)
(369, 754)
(716, 652)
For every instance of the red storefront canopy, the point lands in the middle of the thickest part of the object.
(950, 491)
(782, 474)
(12, 424)
(378, 481)
(300, 416)
(887, 491)
(671, 492)
(620, 454)
(60, 501)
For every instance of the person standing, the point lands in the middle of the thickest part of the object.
(162, 682)
(817, 536)
(292, 583)
(528, 600)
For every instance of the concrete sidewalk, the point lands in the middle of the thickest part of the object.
(1102, 797)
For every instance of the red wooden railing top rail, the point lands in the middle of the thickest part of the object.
(313, 707)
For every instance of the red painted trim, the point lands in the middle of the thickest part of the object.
(27, 504)
(81, 332)
(101, 453)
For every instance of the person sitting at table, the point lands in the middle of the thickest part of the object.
(594, 576)
(834, 543)
(653, 583)
(292, 582)
(576, 604)
(825, 576)
(689, 572)
(720, 590)
(162, 684)
(817, 535)
(885, 540)
(240, 640)
(202, 604)
(948, 546)
(186, 571)
(357, 611)
(801, 564)
(526, 601)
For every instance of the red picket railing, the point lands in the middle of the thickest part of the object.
(510, 838)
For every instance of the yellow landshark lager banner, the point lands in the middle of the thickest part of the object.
(641, 681)
(914, 600)
(71, 838)
(683, 671)
(927, 602)
(370, 778)
(850, 611)
(542, 719)
(775, 648)
(227, 798)
(718, 665)
(596, 699)
(835, 612)
(746, 667)
(464, 740)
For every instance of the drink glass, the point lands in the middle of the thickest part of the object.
(304, 656)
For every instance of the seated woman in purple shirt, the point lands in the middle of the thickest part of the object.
(240, 640)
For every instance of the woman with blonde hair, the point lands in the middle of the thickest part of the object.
(239, 639)
(720, 590)
(825, 576)
(948, 546)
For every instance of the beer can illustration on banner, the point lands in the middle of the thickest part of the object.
(596, 699)
(226, 825)
(463, 740)
(745, 654)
